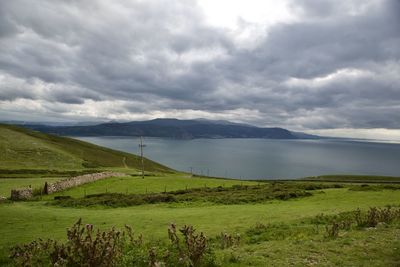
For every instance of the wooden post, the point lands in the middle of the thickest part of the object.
(141, 155)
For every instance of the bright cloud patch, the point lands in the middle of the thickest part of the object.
(302, 65)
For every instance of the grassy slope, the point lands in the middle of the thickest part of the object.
(24, 221)
(354, 178)
(25, 149)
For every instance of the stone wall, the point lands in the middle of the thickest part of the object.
(21, 194)
(78, 180)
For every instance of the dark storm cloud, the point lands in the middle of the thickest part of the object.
(327, 69)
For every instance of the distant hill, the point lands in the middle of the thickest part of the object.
(172, 128)
(21, 148)
(301, 135)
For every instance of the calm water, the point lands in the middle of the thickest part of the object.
(262, 158)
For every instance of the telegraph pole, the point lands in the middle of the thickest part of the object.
(141, 155)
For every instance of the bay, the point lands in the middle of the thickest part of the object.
(264, 158)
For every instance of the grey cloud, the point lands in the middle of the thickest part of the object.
(308, 50)
(163, 54)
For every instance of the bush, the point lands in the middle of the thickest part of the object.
(375, 215)
(83, 248)
(193, 251)
(332, 231)
(86, 247)
(222, 195)
(228, 240)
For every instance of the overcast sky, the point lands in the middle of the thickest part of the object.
(328, 67)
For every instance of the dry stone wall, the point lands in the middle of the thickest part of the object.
(78, 180)
(21, 194)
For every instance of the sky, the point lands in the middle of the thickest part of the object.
(328, 67)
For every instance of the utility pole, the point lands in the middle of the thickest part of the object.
(141, 155)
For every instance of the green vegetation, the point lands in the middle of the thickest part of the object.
(25, 149)
(236, 194)
(85, 247)
(293, 224)
(244, 223)
(151, 184)
(354, 178)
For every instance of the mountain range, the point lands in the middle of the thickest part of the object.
(173, 128)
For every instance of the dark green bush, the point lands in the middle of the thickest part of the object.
(222, 195)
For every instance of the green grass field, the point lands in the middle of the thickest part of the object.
(25, 221)
(152, 184)
(273, 232)
(354, 179)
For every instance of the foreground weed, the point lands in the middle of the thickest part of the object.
(89, 248)
(84, 247)
(227, 240)
(332, 231)
(194, 250)
(375, 215)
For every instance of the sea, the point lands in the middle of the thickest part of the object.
(264, 159)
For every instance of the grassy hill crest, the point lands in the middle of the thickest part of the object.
(21, 148)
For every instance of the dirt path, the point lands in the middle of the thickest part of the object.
(124, 162)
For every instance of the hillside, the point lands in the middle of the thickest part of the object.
(171, 128)
(21, 148)
(354, 178)
(245, 223)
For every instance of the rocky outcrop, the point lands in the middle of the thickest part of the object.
(78, 180)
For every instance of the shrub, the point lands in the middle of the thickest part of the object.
(374, 216)
(193, 251)
(228, 240)
(222, 195)
(83, 248)
(332, 231)
(89, 248)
